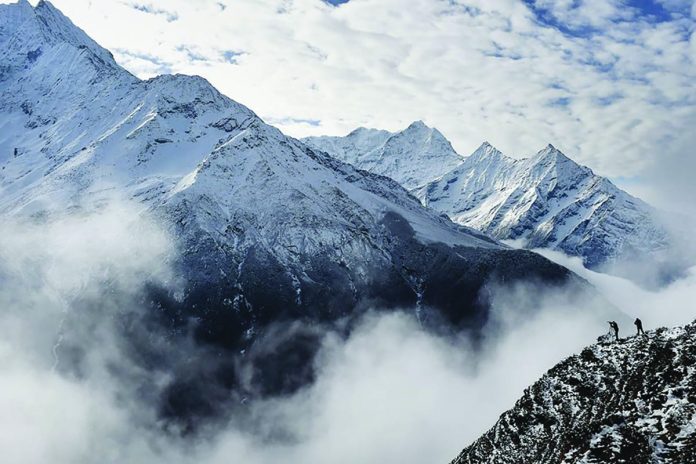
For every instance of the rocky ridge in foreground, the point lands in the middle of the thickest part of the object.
(632, 401)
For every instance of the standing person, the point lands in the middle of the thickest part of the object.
(639, 326)
(615, 327)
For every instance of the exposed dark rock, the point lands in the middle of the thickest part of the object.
(630, 401)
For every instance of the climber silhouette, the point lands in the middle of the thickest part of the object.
(615, 327)
(639, 327)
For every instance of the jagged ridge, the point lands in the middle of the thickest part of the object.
(545, 201)
(632, 401)
(548, 201)
(412, 157)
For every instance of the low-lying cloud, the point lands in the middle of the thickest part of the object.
(391, 392)
(52, 413)
(672, 304)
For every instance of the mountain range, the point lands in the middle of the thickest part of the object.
(270, 231)
(544, 201)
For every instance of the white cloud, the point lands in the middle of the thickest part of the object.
(585, 13)
(621, 99)
(668, 306)
(390, 392)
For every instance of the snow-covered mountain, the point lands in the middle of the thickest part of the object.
(270, 230)
(549, 201)
(632, 401)
(413, 157)
(545, 201)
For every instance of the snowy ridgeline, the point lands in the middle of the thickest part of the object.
(631, 401)
(545, 201)
(76, 128)
(412, 157)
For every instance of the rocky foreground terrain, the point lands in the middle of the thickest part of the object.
(632, 401)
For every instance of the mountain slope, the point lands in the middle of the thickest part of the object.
(632, 401)
(545, 201)
(271, 232)
(412, 157)
(549, 201)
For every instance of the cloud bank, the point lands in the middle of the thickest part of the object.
(670, 305)
(71, 392)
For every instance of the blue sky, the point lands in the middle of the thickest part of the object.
(612, 83)
(645, 10)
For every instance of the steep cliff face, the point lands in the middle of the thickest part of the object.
(632, 401)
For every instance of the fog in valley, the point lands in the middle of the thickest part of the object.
(391, 391)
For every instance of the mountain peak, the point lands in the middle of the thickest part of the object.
(485, 150)
(413, 156)
(48, 5)
(32, 28)
(358, 131)
(418, 125)
(19, 4)
(551, 154)
(485, 146)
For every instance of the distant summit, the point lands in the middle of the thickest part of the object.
(550, 201)
(545, 201)
(412, 157)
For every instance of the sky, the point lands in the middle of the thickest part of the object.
(612, 83)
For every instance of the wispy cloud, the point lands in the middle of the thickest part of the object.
(149, 8)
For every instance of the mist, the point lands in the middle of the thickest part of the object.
(51, 413)
(670, 305)
(390, 392)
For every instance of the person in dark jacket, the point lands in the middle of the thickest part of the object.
(639, 326)
(615, 327)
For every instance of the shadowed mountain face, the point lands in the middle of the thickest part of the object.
(632, 401)
(277, 242)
